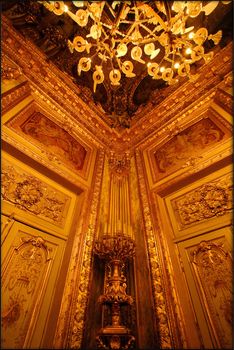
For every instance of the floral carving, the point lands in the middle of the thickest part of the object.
(213, 269)
(9, 70)
(30, 194)
(119, 164)
(207, 201)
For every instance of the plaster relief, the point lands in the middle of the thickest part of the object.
(24, 278)
(32, 195)
(212, 265)
(55, 139)
(207, 201)
(191, 142)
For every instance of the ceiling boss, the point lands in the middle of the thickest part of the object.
(164, 36)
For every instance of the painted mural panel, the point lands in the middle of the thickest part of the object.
(55, 139)
(189, 143)
(25, 273)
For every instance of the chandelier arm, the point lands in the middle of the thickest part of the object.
(93, 13)
(146, 28)
(118, 18)
(110, 9)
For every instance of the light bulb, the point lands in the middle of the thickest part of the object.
(188, 51)
(176, 65)
(66, 8)
(162, 69)
(191, 35)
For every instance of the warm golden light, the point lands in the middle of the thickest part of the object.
(188, 51)
(122, 35)
(191, 35)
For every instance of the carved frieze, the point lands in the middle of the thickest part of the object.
(212, 265)
(30, 194)
(23, 281)
(14, 96)
(207, 201)
(9, 70)
(224, 99)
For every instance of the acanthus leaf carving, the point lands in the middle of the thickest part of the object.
(30, 194)
(205, 202)
(9, 70)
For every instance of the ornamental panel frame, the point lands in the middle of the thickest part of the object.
(203, 113)
(201, 206)
(13, 134)
(31, 261)
(51, 207)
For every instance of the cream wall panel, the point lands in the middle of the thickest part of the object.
(209, 278)
(31, 260)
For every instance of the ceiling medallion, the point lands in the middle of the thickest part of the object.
(163, 36)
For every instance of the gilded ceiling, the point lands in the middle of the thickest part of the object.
(119, 105)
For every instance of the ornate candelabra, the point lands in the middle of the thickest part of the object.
(115, 250)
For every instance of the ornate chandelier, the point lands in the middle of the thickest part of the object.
(122, 35)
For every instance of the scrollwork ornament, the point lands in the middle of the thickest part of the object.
(30, 194)
(70, 326)
(205, 202)
(9, 70)
(166, 338)
(212, 265)
(119, 165)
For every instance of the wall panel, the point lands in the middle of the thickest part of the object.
(31, 260)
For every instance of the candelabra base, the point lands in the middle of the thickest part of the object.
(109, 330)
(115, 337)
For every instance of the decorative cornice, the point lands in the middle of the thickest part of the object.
(52, 82)
(60, 88)
(14, 96)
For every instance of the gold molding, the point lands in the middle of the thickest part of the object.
(160, 303)
(70, 325)
(35, 199)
